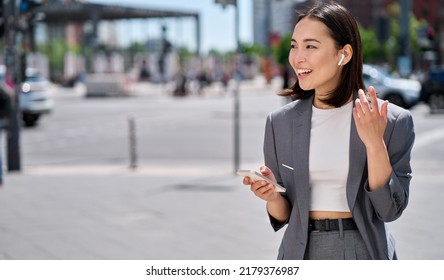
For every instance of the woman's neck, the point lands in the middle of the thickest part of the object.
(320, 104)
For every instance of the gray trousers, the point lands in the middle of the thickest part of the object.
(336, 245)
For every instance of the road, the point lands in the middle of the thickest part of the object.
(77, 198)
(170, 131)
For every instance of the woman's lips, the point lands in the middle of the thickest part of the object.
(303, 72)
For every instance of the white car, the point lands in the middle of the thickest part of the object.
(402, 92)
(36, 97)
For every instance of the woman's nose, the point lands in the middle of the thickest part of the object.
(296, 57)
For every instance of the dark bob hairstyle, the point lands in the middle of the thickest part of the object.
(343, 29)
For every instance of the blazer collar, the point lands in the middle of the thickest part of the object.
(301, 148)
(357, 162)
(357, 165)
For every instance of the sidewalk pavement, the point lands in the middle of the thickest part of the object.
(154, 212)
(116, 213)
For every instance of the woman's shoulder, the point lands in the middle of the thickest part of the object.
(397, 114)
(395, 110)
(293, 108)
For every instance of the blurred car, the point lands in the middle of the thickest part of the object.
(432, 91)
(402, 92)
(36, 96)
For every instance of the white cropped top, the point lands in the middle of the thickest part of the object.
(329, 158)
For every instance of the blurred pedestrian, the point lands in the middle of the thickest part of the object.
(288, 79)
(144, 74)
(180, 89)
(5, 111)
(203, 81)
(343, 156)
(225, 80)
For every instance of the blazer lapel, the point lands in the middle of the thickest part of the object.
(357, 164)
(301, 148)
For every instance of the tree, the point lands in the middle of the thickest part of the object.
(280, 51)
(392, 46)
(251, 49)
(184, 54)
(372, 50)
(55, 50)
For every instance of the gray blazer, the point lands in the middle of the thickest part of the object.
(287, 140)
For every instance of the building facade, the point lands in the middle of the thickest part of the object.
(271, 19)
(277, 17)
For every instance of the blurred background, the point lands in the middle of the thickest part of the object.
(122, 122)
(193, 44)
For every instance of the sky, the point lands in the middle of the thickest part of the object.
(217, 23)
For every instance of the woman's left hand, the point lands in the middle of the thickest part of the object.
(369, 119)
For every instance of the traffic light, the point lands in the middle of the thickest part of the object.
(430, 33)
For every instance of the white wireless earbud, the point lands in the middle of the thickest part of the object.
(341, 59)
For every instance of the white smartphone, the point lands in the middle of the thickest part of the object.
(256, 176)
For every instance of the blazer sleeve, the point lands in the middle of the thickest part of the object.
(391, 200)
(271, 161)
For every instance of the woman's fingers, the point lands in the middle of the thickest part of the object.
(384, 110)
(261, 188)
(372, 95)
(247, 181)
(370, 120)
(364, 103)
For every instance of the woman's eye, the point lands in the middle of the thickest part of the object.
(311, 47)
(293, 46)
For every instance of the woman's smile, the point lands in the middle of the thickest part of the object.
(303, 72)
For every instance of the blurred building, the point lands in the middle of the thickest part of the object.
(92, 28)
(272, 19)
(275, 18)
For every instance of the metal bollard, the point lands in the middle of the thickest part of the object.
(132, 142)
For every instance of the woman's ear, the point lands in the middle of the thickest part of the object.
(346, 54)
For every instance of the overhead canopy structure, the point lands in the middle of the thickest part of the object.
(78, 11)
(82, 12)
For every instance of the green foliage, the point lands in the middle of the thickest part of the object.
(215, 52)
(55, 51)
(136, 47)
(371, 48)
(248, 50)
(375, 52)
(280, 51)
(251, 49)
(415, 25)
(184, 54)
(392, 46)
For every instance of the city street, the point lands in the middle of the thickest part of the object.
(76, 196)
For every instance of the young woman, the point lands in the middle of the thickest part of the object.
(342, 154)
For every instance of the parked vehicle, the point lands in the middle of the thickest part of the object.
(402, 92)
(36, 96)
(108, 84)
(432, 91)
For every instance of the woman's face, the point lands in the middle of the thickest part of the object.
(314, 57)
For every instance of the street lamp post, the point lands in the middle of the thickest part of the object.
(404, 60)
(12, 40)
(237, 79)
